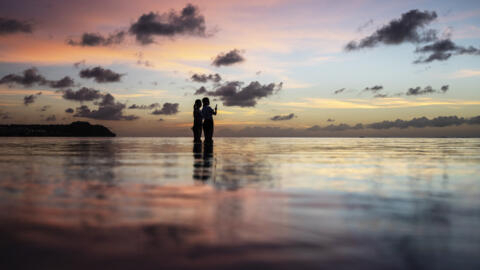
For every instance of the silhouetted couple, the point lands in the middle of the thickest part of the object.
(206, 114)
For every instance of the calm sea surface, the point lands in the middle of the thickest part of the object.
(245, 203)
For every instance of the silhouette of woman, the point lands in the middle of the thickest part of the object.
(197, 121)
(207, 114)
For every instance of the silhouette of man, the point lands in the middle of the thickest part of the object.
(207, 113)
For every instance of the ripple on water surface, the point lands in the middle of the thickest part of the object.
(244, 202)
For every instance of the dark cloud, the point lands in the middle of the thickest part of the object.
(96, 39)
(141, 61)
(51, 118)
(30, 98)
(374, 89)
(167, 109)
(32, 77)
(405, 29)
(380, 96)
(442, 50)
(230, 58)
(203, 78)
(12, 26)
(145, 107)
(365, 25)
(45, 108)
(83, 94)
(441, 121)
(421, 122)
(5, 115)
(108, 109)
(339, 91)
(201, 90)
(79, 63)
(62, 83)
(145, 63)
(330, 120)
(101, 75)
(187, 22)
(283, 117)
(69, 110)
(233, 94)
(426, 90)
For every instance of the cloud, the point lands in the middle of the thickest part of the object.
(380, 96)
(330, 120)
(69, 110)
(79, 63)
(32, 77)
(145, 107)
(30, 98)
(398, 31)
(233, 94)
(283, 117)
(442, 50)
(203, 78)
(187, 22)
(5, 115)
(167, 109)
(101, 75)
(426, 90)
(12, 26)
(465, 73)
(83, 94)
(51, 118)
(374, 89)
(108, 109)
(96, 39)
(45, 108)
(339, 91)
(227, 59)
(62, 83)
(365, 25)
(201, 90)
(421, 122)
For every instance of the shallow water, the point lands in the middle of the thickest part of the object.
(281, 203)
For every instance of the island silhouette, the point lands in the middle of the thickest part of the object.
(74, 129)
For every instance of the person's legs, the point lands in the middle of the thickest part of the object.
(197, 133)
(208, 130)
(205, 130)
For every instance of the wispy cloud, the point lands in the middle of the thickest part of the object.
(324, 103)
(465, 73)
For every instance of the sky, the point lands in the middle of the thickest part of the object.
(274, 67)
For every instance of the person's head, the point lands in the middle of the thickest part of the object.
(198, 103)
(205, 101)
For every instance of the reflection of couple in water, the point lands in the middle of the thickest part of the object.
(205, 114)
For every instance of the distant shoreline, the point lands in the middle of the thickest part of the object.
(75, 129)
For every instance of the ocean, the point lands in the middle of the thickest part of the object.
(243, 203)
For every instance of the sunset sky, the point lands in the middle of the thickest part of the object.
(291, 68)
